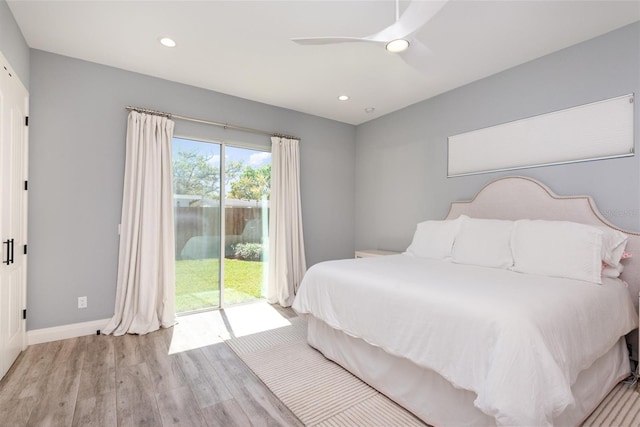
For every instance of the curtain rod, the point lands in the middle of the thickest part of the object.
(208, 122)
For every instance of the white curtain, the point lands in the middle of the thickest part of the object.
(287, 262)
(145, 294)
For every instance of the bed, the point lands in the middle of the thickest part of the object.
(461, 343)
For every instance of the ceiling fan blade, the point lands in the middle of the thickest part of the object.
(417, 14)
(418, 55)
(329, 40)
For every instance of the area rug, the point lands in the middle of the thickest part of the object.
(620, 408)
(321, 393)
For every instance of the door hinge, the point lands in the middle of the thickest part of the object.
(24, 314)
(24, 249)
(26, 120)
(26, 185)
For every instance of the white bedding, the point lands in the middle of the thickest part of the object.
(518, 341)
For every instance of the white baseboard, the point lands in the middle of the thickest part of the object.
(38, 336)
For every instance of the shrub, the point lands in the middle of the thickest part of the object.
(248, 251)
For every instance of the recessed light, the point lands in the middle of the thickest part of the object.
(167, 42)
(397, 46)
(343, 98)
(369, 110)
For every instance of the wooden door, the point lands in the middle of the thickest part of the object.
(13, 214)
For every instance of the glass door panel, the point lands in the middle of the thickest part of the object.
(197, 219)
(247, 188)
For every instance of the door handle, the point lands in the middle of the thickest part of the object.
(8, 258)
(11, 251)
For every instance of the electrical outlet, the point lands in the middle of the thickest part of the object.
(82, 302)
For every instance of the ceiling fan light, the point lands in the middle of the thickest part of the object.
(397, 45)
(167, 42)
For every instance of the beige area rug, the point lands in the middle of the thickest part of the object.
(620, 408)
(321, 393)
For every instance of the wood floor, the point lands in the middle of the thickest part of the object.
(141, 381)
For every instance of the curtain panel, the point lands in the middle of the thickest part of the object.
(287, 263)
(145, 293)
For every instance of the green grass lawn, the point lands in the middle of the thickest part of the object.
(197, 283)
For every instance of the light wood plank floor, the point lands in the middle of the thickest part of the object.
(183, 375)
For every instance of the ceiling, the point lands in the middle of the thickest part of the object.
(243, 48)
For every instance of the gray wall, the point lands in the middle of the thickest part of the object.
(77, 154)
(13, 45)
(401, 158)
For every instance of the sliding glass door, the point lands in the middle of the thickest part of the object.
(197, 214)
(220, 230)
(248, 178)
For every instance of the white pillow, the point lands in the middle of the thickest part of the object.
(484, 242)
(613, 272)
(613, 244)
(434, 239)
(558, 249)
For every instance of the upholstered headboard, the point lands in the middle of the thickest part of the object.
(520, 197)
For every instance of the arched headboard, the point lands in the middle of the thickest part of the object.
(519, 197)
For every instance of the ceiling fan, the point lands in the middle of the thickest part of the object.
(399, 37)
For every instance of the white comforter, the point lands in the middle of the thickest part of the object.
(518, 341)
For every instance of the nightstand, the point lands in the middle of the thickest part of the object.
(373, 252)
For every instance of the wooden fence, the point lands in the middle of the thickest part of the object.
(205, 221)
